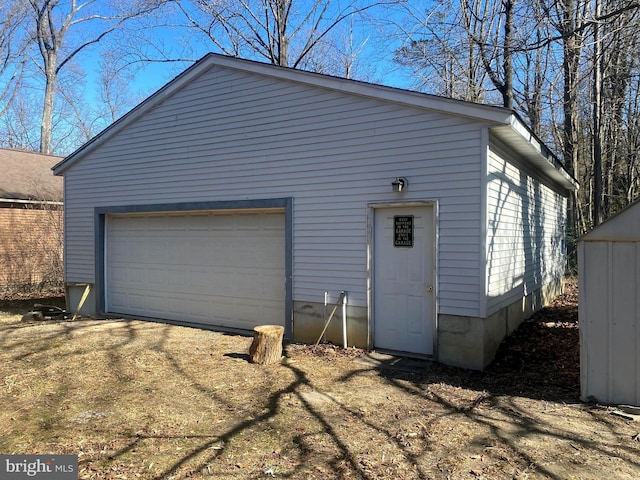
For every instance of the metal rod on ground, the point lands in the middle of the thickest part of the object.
(85, 294)
(324, 312)
(330, 317)
(344, 319)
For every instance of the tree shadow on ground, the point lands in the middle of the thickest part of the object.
(315, 418)
(540, 360)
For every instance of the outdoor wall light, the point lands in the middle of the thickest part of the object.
(399, 184)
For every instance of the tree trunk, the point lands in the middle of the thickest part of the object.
(597, 122)
(507, 61)
(572, 48)
(283, 41)
(46, 126)
(266, 347)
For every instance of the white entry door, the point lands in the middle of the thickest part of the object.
(404, 287)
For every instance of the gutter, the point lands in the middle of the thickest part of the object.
(31, 202)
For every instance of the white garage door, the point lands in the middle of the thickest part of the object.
(223, 268)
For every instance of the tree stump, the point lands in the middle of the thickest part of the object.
(266, 347)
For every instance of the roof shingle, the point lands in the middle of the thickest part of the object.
(28, 176)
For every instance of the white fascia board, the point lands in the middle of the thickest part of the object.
(543, 150)
(519, 136)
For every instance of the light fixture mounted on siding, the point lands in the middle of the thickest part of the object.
(399, 184)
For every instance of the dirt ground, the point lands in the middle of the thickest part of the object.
(154, 401)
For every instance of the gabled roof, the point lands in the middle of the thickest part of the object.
(26, 177)
(504, 123)
(624, 226)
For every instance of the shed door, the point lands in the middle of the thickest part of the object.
(403, 281)
(215, 268)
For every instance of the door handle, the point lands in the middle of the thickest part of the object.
(430, 288)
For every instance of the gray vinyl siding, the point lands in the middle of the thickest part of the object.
(230, 135)
(525, 231)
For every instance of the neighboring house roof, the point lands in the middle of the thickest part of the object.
(26, 177)
(503, 123)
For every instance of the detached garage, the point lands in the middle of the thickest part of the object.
(243, 193)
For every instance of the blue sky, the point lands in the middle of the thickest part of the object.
(375, 59)
(166, 36)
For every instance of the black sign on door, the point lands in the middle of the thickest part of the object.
(403, 231)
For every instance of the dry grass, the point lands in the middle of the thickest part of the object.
(155, 401)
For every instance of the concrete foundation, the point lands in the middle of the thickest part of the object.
(472, 342)
(468, 342)
(308, 322)
(74, 293)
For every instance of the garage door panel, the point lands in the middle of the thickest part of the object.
(137, 275)
(199, 222)
(157, 247)
(200, 309)
(136, 250)
(157, 277)
(224, 269)
(176, 279)
(118, 300)
(138, 302)
(157, 304)
(221, 281)
(119, 274)
(270, 284)
(246, 311)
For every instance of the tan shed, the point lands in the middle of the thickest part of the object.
(609, 312)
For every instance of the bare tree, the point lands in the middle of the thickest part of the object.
(340, 54)
(84, 116)
(481, 47)
(440, 51)
(282, 32)
(598, 63)
(630, 177)
(568, 19)
(490, 26)
(13, 45)
(616, 62)
(536, 74)
(19, 127)
(115, 94)
(66, 28)
(599, 42)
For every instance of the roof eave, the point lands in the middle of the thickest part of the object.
(479, 112)
(516, 134)
(502, 121)
(453, 106)
(30, 202)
